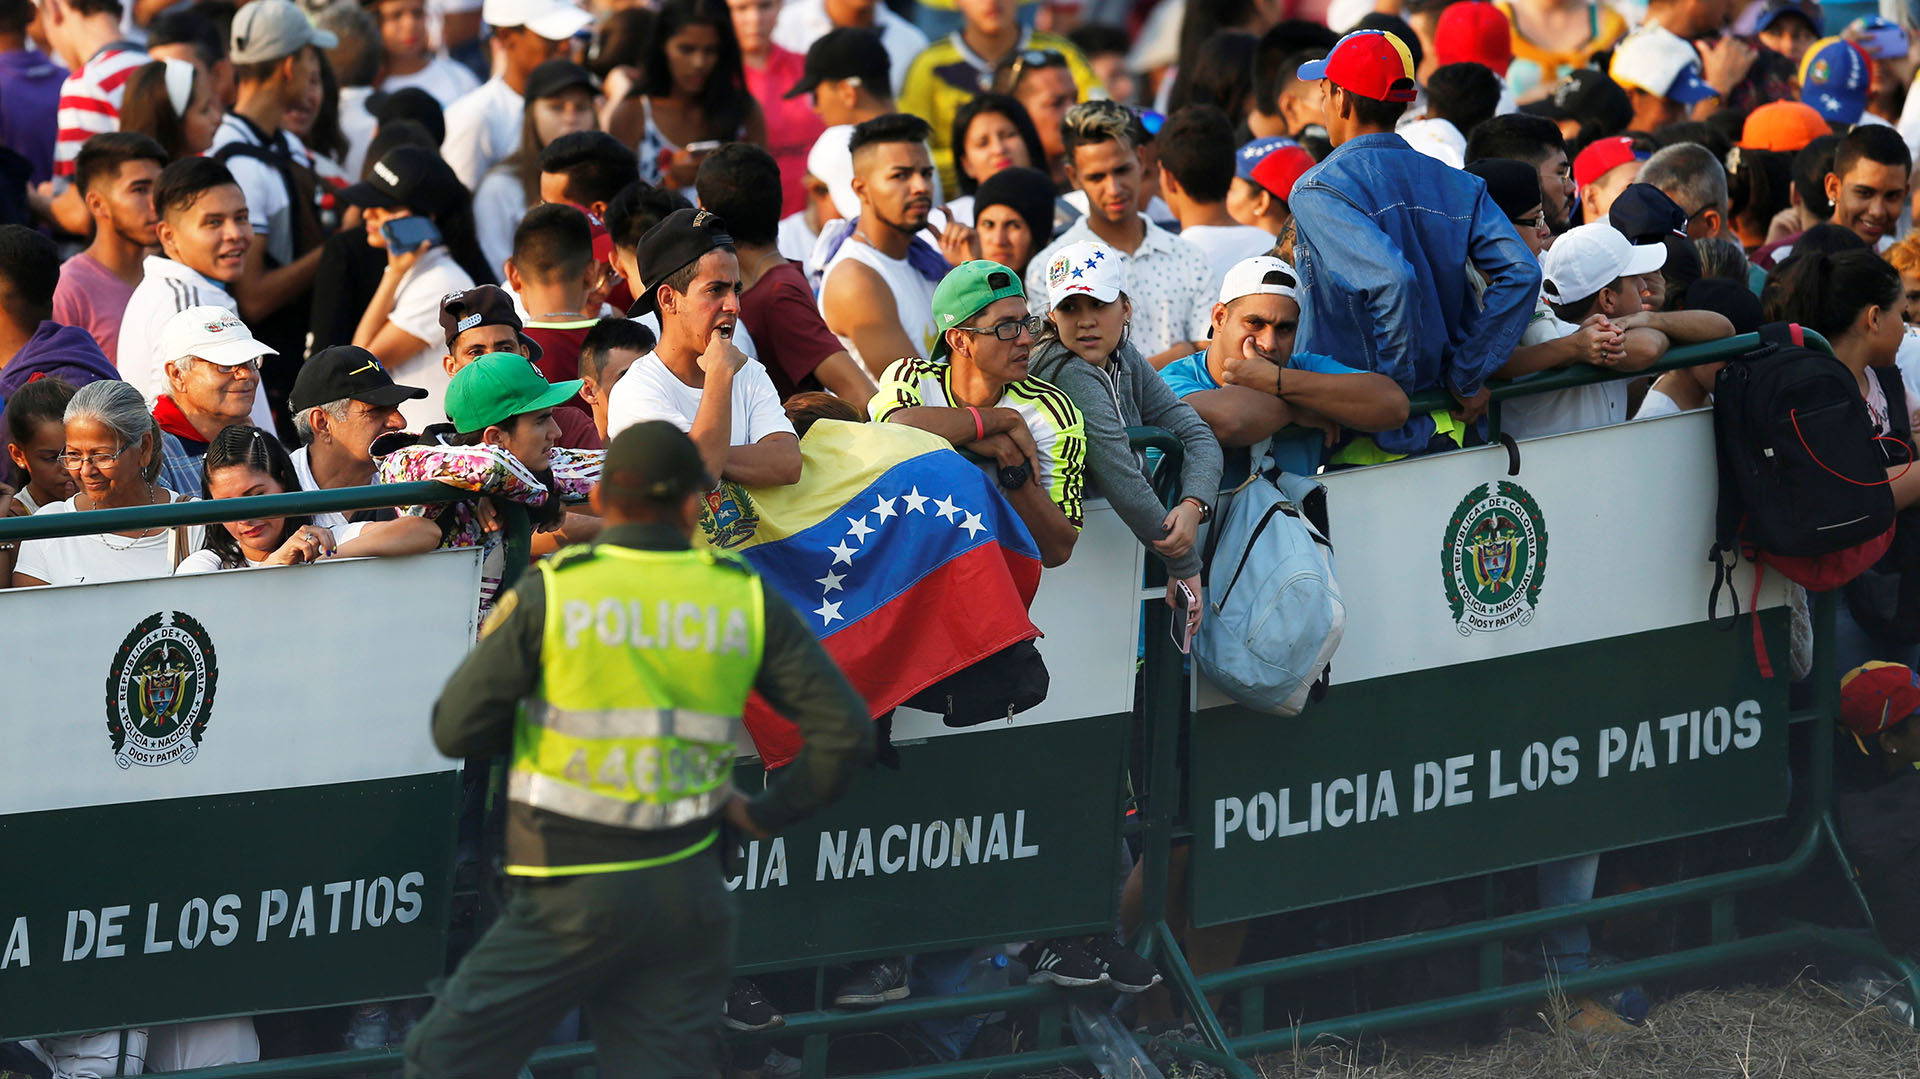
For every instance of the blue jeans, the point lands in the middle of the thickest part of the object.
(1560, 883)
(1853, 645)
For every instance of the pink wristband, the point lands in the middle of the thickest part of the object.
(979, 426)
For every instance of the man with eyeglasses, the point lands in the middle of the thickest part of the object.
(975, 393)
(212, 365)
(948, 73)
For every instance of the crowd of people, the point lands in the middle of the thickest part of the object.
(289, 246)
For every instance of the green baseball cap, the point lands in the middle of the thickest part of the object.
(499, 386)
(966, 291)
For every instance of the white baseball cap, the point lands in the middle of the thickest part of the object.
(1261, 275)
(1662, 62)
(1086, 269)
(1587, 259)
(555, 20)
(213, 334)
(831, 163)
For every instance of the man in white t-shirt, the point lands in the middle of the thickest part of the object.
(341, 402)
(1197, 171)
(1592, 281)
(875, 292)
(276, 60)
(803, 22)
(411, 59)
(484, 126)
(204, 235)
(695, 379)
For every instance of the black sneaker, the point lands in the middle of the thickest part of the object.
(749, 1009)
(1062, 961)
(874, 983)
(1126, 969)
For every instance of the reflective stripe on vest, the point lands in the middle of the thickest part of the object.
(647, 659)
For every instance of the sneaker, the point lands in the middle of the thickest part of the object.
(1126, 970)
(748, 1009)
(1062, 961)
(874, 983)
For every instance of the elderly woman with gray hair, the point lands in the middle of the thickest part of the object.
(113, 454)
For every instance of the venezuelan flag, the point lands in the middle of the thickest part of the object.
(901, 555)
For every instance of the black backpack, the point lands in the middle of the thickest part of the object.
(1803, 484)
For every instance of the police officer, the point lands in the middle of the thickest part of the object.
(615, 678)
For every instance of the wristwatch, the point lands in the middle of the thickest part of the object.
(1014, 477)
(1206, 511)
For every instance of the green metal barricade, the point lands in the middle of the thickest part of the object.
(803, 908)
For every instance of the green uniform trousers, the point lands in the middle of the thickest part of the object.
(646, 953)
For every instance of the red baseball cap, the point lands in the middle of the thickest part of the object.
(1275, 164)
(1877, 695)
(1371, 63)
(1475, 32)
(1601, 157)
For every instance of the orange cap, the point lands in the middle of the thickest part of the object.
(1783, 126)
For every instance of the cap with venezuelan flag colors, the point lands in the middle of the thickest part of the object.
(1371, 63)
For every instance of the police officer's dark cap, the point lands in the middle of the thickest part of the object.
(655, 460)
(679, 240)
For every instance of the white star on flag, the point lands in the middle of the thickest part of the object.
(859, 529)
(831, 582)
(916, 502)
(972, 525)
(883, 509)
(841, 553)
(947, 509)
(828, 612)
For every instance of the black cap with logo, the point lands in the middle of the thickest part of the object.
(554, 76)
(849, 52)
(407, 177)
(1590, 97)
(343, 373)
(679, 240)
(482, 305)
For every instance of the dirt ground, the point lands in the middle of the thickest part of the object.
(1802, 1030)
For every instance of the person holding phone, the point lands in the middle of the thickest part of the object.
(1085, 350)
(417, 212)
(693, 96)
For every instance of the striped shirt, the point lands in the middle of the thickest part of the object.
(1052, 418)
(90, 101)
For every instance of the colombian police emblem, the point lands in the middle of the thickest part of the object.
(1494, 558)
(160, 691)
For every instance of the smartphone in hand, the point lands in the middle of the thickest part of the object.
(1181, 629)
(408, 233)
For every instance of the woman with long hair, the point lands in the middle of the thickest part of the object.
(243, 461)
(401, 324)
(692, 93)
(560, 101)
(174, 102)
(990, 133)
(771, 71)
(113, 453)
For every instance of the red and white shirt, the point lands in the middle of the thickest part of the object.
(90, 101)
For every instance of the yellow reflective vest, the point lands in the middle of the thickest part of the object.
(647, 658)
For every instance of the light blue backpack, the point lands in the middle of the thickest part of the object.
(1273, 611)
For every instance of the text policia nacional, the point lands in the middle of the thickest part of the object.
(1429, 786)
(111, 932)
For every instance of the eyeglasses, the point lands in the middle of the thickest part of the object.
(1032, 59)
(1537, 221)
(102, 461)
(1009, 331)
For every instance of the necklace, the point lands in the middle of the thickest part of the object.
(759, 264)
(134, 540)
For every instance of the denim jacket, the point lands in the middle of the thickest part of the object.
(1384, 237)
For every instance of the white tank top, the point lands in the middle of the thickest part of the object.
(912, 296)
